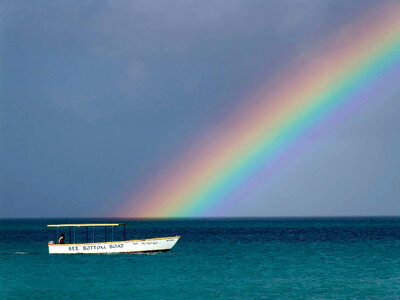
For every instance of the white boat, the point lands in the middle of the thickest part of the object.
(162, 244)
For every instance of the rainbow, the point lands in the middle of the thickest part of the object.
(275, 121)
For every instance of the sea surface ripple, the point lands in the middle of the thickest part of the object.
(313, 258)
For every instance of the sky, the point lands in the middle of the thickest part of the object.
(97, 98)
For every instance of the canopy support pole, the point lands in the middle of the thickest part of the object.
(105, 233)
(69, 229)
(93, 234)
(74, 235)
(87, 234)
(124, 233)
(112, 233)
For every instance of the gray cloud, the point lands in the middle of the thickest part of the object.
(97, 95)
(123, 45)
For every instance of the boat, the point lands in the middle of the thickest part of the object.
(162, 244)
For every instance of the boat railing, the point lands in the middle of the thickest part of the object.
(74, 226)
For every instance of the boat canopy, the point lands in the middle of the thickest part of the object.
(83, 225)
(92, 225)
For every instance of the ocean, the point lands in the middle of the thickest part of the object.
(286, 258)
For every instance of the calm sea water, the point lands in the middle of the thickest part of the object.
(215, 259)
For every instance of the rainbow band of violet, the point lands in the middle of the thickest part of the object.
(254, 137)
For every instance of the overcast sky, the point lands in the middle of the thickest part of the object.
(97, 95)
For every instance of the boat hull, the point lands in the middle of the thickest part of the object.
(132, 246)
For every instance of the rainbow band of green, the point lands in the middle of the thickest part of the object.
(255, 139)
(387, 58)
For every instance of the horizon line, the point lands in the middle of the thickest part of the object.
(211, 217)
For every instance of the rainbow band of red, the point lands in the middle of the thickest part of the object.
(253, 137)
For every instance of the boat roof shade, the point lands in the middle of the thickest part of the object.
(83, 225)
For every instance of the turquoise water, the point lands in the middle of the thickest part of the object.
(215, 259)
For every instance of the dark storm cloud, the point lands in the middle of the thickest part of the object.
(95, 94)
(95, 58)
